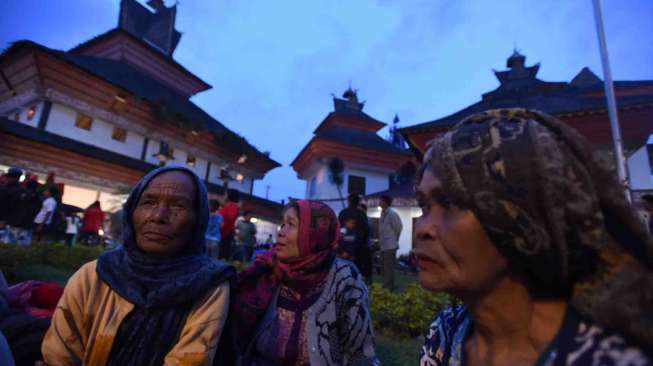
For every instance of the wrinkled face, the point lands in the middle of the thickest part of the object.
(165, 218)
(287, 241)
(453, 251)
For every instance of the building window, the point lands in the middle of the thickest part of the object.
(119, 134)
(356, 184)
(31, 112)
(118, 104)
(83, 121)
(190, 160)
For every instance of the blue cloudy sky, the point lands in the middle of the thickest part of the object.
(274, 64)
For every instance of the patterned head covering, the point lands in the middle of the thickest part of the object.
(553, 209)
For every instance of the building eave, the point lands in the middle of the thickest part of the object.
(101, 37)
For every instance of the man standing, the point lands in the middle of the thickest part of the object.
(229, 213)
(27, 209)
(647, 215)
(43, 219)
(360, 230)
(213, 230)
(246, 236)
(10, 194)
(389, 230)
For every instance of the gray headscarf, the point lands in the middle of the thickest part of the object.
(555, 210)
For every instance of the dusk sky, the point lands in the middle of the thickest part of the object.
(274, 64)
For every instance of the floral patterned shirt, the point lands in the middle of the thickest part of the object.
(578, 342)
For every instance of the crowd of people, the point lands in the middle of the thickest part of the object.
(521, 222)
(31, 211)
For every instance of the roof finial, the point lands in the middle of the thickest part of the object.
(396, 119)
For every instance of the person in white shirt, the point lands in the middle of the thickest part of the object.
(43, 219)
(72, 226)
(389, 230)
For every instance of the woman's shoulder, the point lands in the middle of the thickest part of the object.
(590, 342)
(84, 282)
(87, 272)
(345, 270)
(446, 332)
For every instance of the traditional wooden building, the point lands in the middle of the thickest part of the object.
(104, 113)
(369, 163)
(349, 135)
(580, 103)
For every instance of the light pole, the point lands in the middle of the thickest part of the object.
(622, 169)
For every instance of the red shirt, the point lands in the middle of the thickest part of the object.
(93, 218)
(229, 213)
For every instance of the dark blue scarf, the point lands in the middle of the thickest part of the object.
(163, 290)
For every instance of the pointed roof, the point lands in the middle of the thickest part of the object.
(518, 72)
(155, 28)
(349, 133)
(585, 78)
(348, 112)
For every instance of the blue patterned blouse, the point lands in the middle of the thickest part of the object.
(578, 342)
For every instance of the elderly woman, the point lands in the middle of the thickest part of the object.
(158, 299)
(524, 224)
(298, 304)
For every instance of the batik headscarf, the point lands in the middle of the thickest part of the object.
(554, 209)
(163, 290)
(317, 239)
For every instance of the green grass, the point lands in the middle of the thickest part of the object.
(397, 352)
(43, 272)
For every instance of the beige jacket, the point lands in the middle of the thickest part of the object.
(89, 313)
(389, 229)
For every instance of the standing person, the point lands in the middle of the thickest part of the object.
(26, 211)
(213, 230)
(10, 194)
(229, 213)
(92, 223)
(298, 304)
(115, 223)
(72, 227)
(157, 299)
(647, 202)
(43, 219)
(525, 225)
(246, 236)
(389, 231)
(362, 255)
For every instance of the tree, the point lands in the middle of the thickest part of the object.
(336, 168)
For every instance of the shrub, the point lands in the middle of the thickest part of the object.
(15, 257)
(407, 313)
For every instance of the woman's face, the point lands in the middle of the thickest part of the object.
(287, 244)
(454, 253)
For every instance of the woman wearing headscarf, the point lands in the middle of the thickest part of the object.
(158, 299)
(528, 228)
(298, 304)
